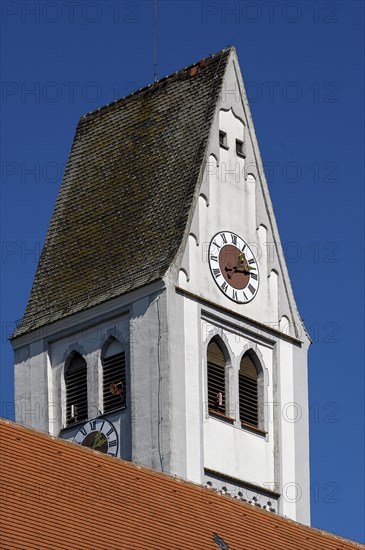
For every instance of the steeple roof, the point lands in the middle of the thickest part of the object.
(126, 194)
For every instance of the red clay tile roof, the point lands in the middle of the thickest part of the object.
(57, 495)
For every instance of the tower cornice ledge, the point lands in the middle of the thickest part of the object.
(221, 309)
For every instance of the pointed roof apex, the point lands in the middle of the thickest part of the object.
(186, 72)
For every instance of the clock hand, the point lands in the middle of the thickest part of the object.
(242, 263)
(242, 266)
(98, 441)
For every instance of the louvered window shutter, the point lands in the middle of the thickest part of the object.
(216, 378)
(248, 392)
(76, 391)
(114, 382)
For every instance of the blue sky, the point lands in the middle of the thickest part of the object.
(303, 66)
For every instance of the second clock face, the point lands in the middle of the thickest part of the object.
(98, 434)
(233, 267)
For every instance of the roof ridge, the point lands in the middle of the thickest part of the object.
(154, 85)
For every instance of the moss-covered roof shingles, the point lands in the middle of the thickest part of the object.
(126, 194)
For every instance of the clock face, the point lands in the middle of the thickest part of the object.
(233, 267)
(100, 435)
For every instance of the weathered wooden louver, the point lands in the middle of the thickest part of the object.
(248, 401)
(76, 390)
(114, 382)
(216, 378)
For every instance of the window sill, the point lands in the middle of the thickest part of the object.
(242, 155)
(224, 146)
(221, 416)
(79, 423)
(73, 424)
(117, 409)
(252, 428)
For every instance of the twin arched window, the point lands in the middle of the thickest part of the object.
(248, 385)
(114, 383)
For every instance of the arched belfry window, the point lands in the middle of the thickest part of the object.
(248, 392)
(216, 364)
(76, 390)
(114, 377)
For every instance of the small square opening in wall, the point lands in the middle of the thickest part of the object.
(223, 139)
(240, 150)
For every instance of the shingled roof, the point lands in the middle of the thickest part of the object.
(126, 194)
(58, 495)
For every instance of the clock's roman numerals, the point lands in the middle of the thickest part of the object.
(233, 270)
(78, 438)
(251, 289)
(103, 432)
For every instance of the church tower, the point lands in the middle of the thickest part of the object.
(161, 326)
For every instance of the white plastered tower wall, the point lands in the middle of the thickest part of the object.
(233, 196)
(137, 321)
